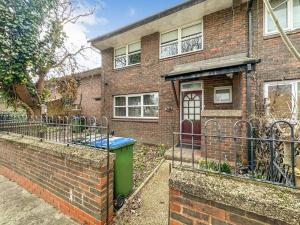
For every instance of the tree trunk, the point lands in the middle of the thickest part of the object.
(30, 103)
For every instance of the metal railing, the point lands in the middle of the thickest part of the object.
(76, 130)
(71, 130)
(270, 158)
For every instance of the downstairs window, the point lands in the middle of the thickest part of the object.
(136, 106)
(283, 99)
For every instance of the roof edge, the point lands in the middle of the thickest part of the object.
(146, 20)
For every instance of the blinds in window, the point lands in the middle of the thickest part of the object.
(134, 47)
(169, 37)
(189, 31)
(120, 51)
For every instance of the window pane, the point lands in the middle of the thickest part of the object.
(134, 112)
(298, 100)
(189, 31)
(280, 101)
(120, 111)
(120, 51)
(120, 101)
(192, 86)
(150, 111)
(169, 50)
(135, 100)
(169, 37)
(134, 58)
(222, 95)
(134, 47)
(280, 10)
(296, 14)
(151, 99)
(192, 44)
(120, 62)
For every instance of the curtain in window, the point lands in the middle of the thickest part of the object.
(281, 101)
(280, 8)
(296, 13)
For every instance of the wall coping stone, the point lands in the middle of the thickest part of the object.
(265, 199)
(82, 154)
(222, 113)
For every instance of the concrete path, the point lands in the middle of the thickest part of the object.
(154, 201)
(19, 207)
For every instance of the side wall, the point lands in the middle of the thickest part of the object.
(73, 179)
(89, 95)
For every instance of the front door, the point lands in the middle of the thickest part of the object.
(191, 110)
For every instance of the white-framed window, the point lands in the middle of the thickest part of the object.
(282, 99)
(223, 94)
(127, 55)
(181, 40)
(287, 13)
(136, 106)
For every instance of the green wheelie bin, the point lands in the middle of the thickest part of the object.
(123, 167)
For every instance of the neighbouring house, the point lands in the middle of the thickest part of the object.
(88, 96)
(200, 60)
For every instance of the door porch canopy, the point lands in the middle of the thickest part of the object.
(212, 67)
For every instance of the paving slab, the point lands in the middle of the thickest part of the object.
(19, 207)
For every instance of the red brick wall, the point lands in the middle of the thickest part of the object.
(186, 209)
(76, 185)
(218, 41)
(277, 63)
(89, 89)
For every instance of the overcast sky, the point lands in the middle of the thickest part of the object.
(109, 15)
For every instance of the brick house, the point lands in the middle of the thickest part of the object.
(88, 98)
(199, 60)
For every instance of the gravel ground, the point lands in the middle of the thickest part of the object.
(145, 160)
(150, 207)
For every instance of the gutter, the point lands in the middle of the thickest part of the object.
(250, 55)
(248, 82)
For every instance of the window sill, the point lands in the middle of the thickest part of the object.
(181, 55)
(222, 113)
(127, 67)
(277, 35)
(136, 120)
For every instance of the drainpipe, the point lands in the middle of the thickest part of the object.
(248, 78)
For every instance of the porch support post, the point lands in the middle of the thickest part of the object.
(175, 93)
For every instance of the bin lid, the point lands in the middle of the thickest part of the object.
(114, 142)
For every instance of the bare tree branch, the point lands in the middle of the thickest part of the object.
(68, 55)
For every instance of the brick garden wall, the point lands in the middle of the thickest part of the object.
(210, 199)
(73, 179)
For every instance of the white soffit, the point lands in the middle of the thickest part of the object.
(180, 18)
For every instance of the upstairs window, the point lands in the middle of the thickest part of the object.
(287, 12)
(180, 41)
(128, 55)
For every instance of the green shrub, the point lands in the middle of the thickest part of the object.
(214, 166)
